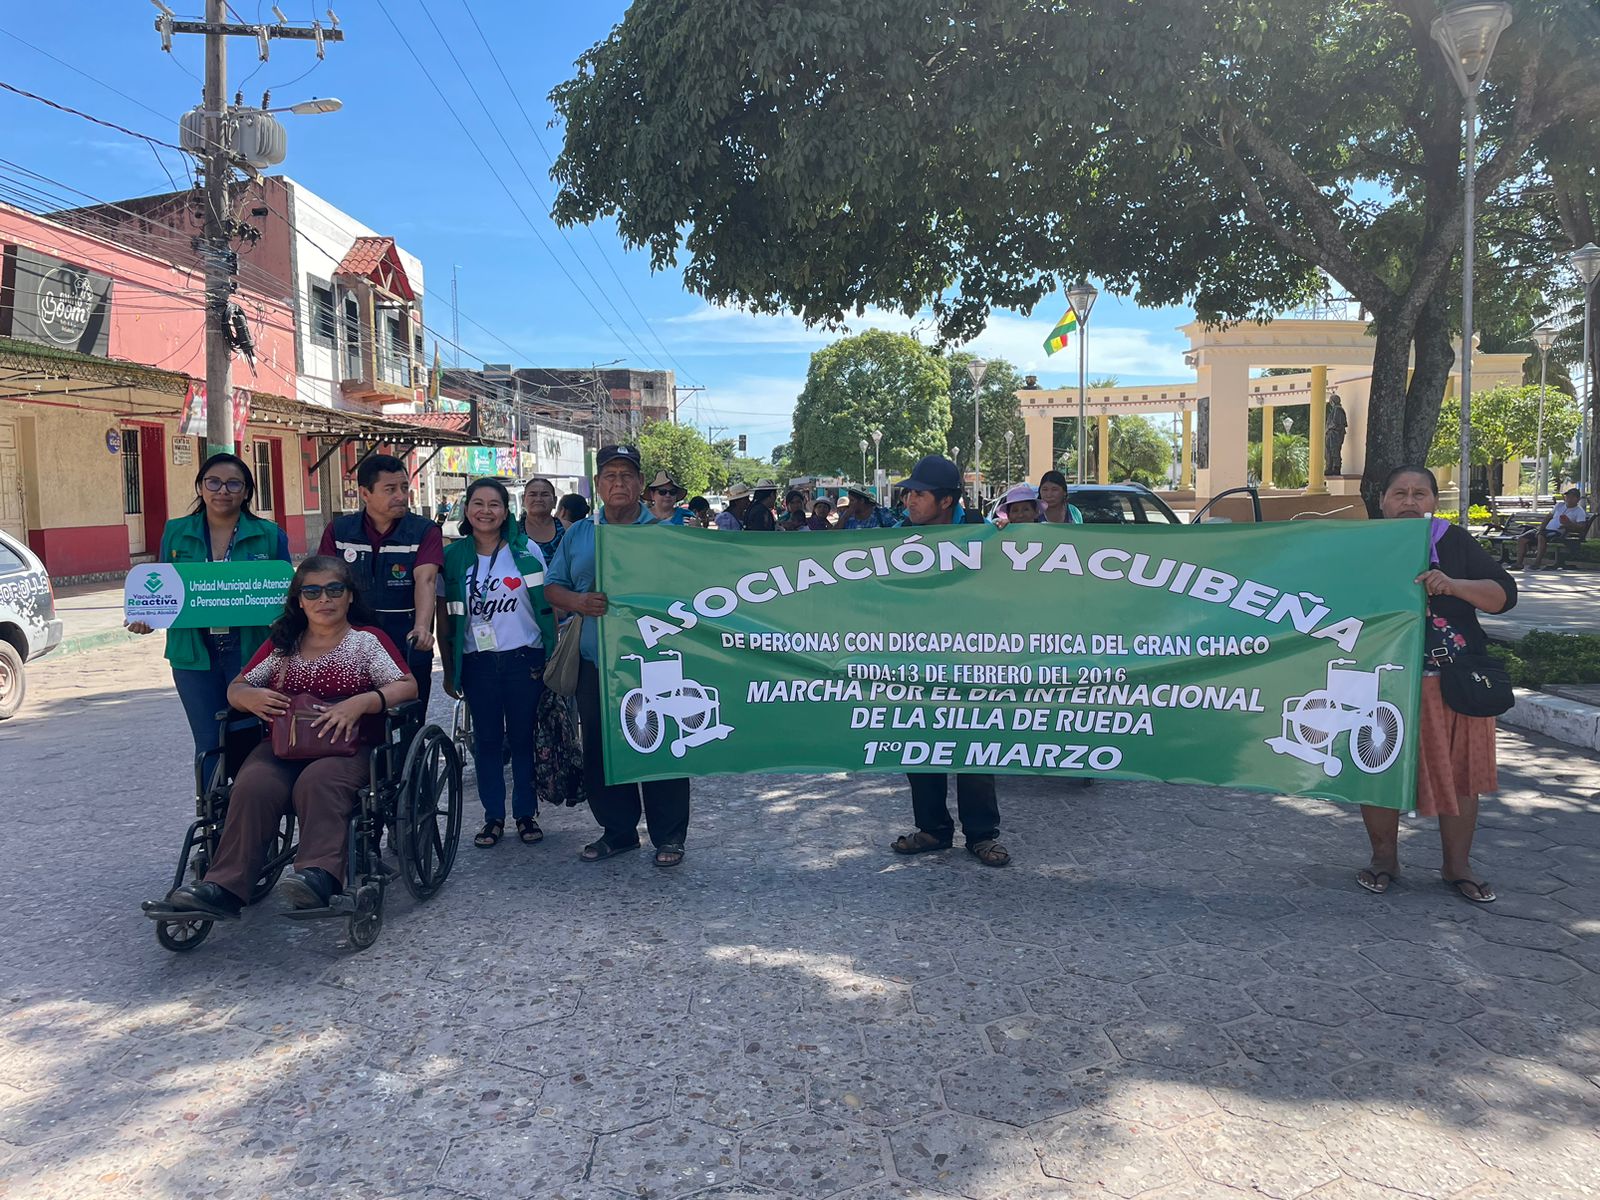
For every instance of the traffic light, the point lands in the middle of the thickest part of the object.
(742, 444)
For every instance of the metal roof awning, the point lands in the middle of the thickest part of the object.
(31, 372)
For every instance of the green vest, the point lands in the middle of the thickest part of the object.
(459, 558)
(185, 540)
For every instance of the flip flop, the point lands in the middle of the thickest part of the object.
(600, 849)
(1485, 892)
(1376, 882)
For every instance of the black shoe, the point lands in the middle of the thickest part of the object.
(311, 888)
(210, 898)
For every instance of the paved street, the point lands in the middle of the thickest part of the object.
(1173, 993)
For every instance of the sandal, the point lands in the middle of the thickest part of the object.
(1376, 882)
(528, 830)
(1484, 893)
(489, 835)
(990, 852)
(601, 849)
(669, 855)
(920, 842)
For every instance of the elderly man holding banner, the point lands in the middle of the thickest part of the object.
(570, 585)
(931, 499)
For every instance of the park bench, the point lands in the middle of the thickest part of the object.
(1504, 537)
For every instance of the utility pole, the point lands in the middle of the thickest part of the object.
(215, 245)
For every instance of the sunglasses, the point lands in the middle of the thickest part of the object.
(315, 591)
(232, 486)
(665, 491)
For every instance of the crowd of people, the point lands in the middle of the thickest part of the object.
(364, 614)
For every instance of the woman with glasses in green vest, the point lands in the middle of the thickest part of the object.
(219, 528)
(495, 628)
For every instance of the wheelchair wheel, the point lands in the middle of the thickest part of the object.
(1376, 745)
(278, 854)
(1311, 733)
(429, 809)
(366, 925)
(182, 936)
(642, 725)
(694, 722)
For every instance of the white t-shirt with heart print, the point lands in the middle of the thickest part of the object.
(497, 596)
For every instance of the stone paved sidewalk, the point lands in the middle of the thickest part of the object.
(1173, 993)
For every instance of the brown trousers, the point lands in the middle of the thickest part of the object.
(321, 792)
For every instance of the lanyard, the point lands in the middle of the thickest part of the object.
(226, 554)
(472, 577)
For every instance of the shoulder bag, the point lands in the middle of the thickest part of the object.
(561, 664)
(294, 739)
(1474, 685)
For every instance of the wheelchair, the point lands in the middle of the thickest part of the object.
(413, 791)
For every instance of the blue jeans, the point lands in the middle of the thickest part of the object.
(205, 693)
(502, 690)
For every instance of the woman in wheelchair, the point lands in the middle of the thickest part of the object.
(325, 645)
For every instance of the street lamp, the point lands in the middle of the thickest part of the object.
(1467, 33)
(863, 460)
(1010, 433)
(1586, 261)
(1082, 297)
(1542, 337)
(976, 369)
(877, 436)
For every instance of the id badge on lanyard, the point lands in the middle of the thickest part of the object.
(227, 555)
(483, 638)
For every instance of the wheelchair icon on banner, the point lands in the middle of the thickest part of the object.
(663, 692)
(1348, 704)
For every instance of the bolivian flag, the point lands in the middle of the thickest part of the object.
(1058, 336)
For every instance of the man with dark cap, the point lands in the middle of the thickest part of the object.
(931, 499)
(864, 511)
(569, 584)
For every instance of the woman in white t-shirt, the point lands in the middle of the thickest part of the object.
(495, 626)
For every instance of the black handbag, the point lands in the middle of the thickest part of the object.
(1475, 685)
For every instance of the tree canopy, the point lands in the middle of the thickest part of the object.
(875, 380)
(1505, 426)
(680, 450)
(820, 156)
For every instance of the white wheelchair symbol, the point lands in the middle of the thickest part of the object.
(1349, 704)
(663, 692)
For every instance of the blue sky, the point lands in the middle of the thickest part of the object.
(398, 160)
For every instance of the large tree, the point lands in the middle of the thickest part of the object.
(679, 450)
(1506, 426)
(819, 156)
(874, 380)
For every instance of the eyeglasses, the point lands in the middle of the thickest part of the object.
(232, 486)
(315, 591)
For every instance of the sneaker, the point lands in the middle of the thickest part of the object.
(311, 888)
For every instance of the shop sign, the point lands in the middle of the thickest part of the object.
(55, 302)
(182, 451)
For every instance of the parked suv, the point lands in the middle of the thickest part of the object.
(28, 623)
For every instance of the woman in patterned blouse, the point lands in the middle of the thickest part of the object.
(325, 644)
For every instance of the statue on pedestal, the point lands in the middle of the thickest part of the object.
(1333, 436)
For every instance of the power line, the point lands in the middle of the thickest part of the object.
(500, 179)
(154, 141)
(545, 150)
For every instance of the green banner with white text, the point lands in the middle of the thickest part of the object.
(1276, 657)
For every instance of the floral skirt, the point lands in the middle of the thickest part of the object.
(1456, 755)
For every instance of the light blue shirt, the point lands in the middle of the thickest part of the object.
(573, 568)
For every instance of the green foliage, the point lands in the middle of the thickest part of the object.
(1140, 451)
(1541, 658)
(679, 449)
(999, 413)
(1477, 514)
(1505, 425)
(1291, 460)
(875, 380)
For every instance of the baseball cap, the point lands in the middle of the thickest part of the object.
(933, 473)
(609, 453)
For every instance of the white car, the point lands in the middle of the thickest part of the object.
(28, 623)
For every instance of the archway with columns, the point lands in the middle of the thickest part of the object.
(1323, 357)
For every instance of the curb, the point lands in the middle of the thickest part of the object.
(90, 641)
(1560, 720)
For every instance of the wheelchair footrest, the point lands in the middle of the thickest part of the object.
(160, 910)
(342, 905)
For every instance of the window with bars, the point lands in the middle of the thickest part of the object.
(132, 500)
(264, 497)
